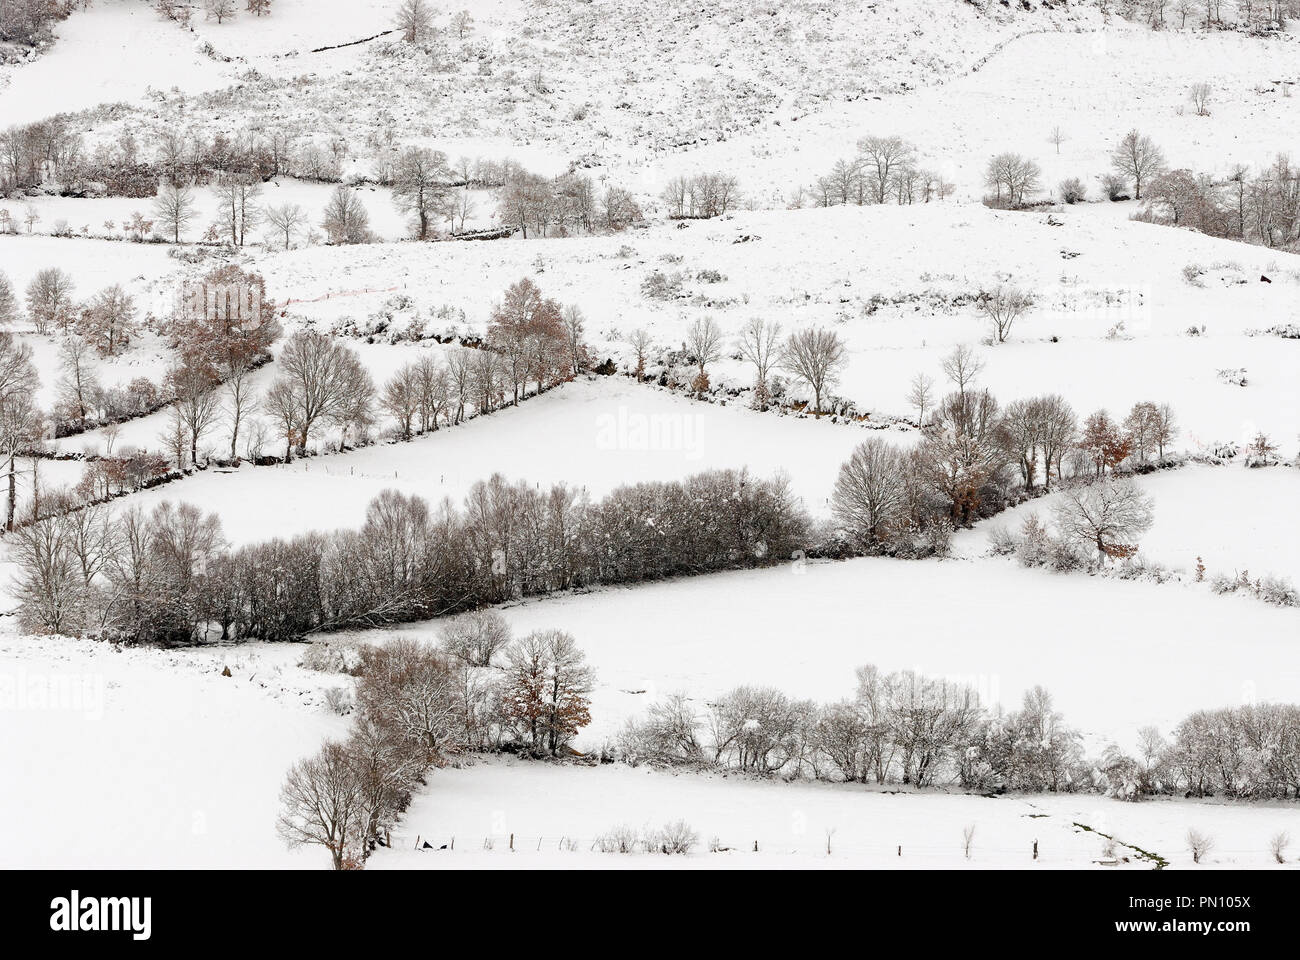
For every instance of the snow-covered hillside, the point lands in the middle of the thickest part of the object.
(460, 227)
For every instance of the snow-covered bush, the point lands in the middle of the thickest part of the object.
(339, 700)
(620, 839)
(331, 656)
(1200, 844)
(1002, 542)
(1072, 190)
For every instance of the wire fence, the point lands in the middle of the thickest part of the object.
(810, 845)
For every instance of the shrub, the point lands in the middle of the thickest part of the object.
(677, 838)
(1200, 844)
(1001, 541)
(621, 839)
(661, 286)
(1072, 190)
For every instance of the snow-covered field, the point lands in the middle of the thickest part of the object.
(553, 810)
(1149, 654)
(620, 433)
(1226, 515)
(141, 757)
(135, 758)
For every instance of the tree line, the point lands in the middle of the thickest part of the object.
(976, 457)
(167, 576)
(885, 169)
(923, 731)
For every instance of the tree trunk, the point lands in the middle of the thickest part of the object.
(13, 494)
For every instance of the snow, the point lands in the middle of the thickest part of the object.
(115, 51)
(138, 758)
(1110, 328)
(1226, 515)
(546, 804)
(1115, 655)
(595, 434)
(153, 758)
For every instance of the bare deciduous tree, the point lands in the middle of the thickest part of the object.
(322, 803)
(870, 491)
(286, 219)
(760, 345)
(1003, 306)
(1137, 158)
(921, 396)
(415, 20)
(1199, 95)
(815, 357)
(421, 187)
(704, 345)
(174, 208)
(345, 219)
(1108, 516)
(963, 367)
(1200, 844)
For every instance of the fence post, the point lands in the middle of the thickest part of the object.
(1035, 849)
(512, 842)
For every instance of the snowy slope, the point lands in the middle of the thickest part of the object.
(137, 758)
(546, 805)
(1152, 654)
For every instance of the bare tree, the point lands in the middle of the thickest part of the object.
(79, 384)
(422, 188)
(760, 345)
(174, 208)
(282, 405)
(1199, 95)
(1109, 516)
(237, 208)
(575, 325)
(462, 22)
(963, 367)
(327, 381)
(286, 220)
(879, 159)
(8, 301)
(1200, 844)
(239, 397)
(1056, 138)
(870, 491)
(1137, 158)
(194, 385)
(639, 340)
(21, 424)
(1277, 845)
(475, 637)
(815, 357)
(219, 10)
(49, 300)
(704, 345)
(345, 219)
(967, 839)
(415, 20)
(921, 396)
(1003, 306)
(322, 804)
(1013, 174)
